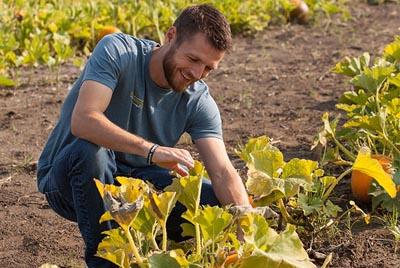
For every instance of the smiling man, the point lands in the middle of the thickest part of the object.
(125, 114)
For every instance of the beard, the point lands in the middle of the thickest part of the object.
(172, 73)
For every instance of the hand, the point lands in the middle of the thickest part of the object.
(178, 160)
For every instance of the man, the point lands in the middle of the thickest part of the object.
(126, 112)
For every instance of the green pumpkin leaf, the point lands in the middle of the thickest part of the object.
(188, 190)
(286, 251)
(6, 82)
(162, 260)
(310, 204)
(372, 78)
(357, 98)
(300, 169)
(115, 248)
(253, 145)
(212, 221)
(366, 122)
(145, 221)
(188, 229)
(392, 51)
(256, 231)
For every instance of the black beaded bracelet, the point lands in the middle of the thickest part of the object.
(151, 153)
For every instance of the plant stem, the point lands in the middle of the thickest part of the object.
(284, 212)
(391, 144)
(344, 150)
(153, 238)
(333, 185)
(198, 239)
(133, 247)
(164, 238)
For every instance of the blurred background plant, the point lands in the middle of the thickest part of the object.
(53, 32)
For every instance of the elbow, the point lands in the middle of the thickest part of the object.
(76, 125)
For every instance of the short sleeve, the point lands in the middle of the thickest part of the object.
(104, 65)
(205, 119)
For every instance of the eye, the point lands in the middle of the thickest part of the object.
(193, 59)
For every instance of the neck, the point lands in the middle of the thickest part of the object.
(156, 67)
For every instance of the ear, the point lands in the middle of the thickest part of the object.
(170, 35)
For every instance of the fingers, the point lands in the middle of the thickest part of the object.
(187, 160)
(181, 170)
(173, 158)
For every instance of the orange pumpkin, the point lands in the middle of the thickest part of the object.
(360, 182)
(300, 11)
(105, 31)
(231, 259)
(251, 201)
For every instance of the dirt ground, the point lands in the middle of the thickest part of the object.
(277, 83)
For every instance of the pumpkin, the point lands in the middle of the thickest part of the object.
(360, 182)
(105, 30)
(231, 259)
(251, 201)
(300, 11)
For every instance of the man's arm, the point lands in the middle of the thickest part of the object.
(89, 122)
(227, 184)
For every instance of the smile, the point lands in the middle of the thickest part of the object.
(185, 77)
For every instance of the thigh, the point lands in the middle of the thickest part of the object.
(57, 191)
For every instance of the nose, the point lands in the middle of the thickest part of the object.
(198, 71)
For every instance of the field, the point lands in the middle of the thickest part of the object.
(277, 83)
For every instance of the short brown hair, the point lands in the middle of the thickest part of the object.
(205, 19)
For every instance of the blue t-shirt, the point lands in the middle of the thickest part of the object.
(138, 105)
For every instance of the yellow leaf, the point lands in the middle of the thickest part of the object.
(100, 187)
(106, 217)
(371, 167)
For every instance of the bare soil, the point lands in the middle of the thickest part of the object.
(277, 83)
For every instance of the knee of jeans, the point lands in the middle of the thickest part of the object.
(92, 160)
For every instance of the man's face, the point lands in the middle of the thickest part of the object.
(192, 60)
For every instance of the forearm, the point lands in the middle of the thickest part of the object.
(97, 128)
(228, 187)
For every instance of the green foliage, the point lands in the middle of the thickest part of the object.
(372, 113)
(53, 32)
(272, 180)
(285, 250)
(214, 229)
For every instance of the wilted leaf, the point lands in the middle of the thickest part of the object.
(162, 204)
(122, 212)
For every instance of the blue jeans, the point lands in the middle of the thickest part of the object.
(71, 192)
